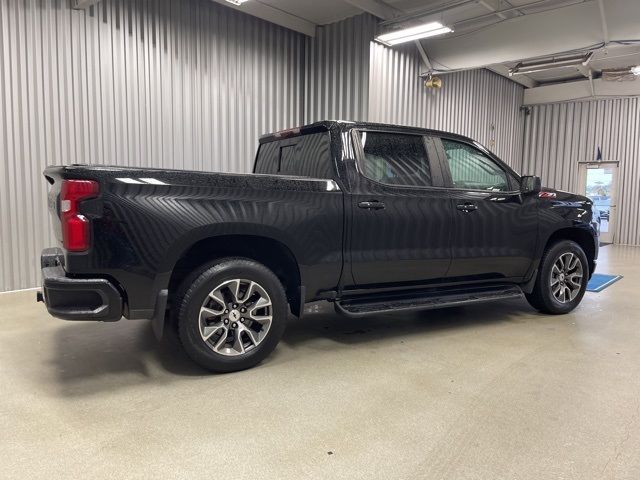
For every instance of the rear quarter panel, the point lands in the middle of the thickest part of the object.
(140, 230)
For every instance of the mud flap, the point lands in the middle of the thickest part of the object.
(157, 321)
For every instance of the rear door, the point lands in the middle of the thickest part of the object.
(400, 213)
(495, 227)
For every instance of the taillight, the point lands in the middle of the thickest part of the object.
(76, 236)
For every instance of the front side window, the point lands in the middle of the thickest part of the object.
(395, 159)
(470, 168)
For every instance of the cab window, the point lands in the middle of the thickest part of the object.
(304, 156)
(395, 159)
(472, 169)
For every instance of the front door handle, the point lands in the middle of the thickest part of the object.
(372, 205)
(467, 207)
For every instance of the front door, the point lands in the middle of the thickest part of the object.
(495, 226)
(599, 182)
(400, 214)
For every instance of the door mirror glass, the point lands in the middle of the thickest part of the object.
(530, 184)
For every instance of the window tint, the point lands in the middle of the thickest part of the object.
(288, 160)
(305, 156)
(470, 168)
(396, 159)
(268, 159)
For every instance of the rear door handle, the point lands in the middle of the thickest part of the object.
(372, 205)
(467, 207)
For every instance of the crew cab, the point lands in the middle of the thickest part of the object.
(374, 218)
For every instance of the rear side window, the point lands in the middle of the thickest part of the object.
(303, 156)
(395, 159)
(470, 168)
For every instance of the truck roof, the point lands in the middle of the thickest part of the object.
(326, 125)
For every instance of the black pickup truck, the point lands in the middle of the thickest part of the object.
(374, 218)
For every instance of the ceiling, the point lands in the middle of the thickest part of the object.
(495, 34)
(318, 12)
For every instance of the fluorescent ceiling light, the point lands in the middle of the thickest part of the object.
(635, 70)
(237, 2)
(430, 29)
(545, 65)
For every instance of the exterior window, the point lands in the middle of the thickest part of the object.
(268, 159)
(395, 159)
(470, 168)
(288, 160)
(304, 156)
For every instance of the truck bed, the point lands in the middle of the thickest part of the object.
(144, 220)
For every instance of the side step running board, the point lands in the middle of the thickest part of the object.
(425, 300)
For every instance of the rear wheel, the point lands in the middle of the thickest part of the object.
(231, 315)
(562, 279)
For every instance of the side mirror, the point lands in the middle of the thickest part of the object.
(530, 184)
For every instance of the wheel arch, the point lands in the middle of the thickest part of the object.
(267, 250)
(582, 237)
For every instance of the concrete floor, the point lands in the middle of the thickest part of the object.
(491, 392)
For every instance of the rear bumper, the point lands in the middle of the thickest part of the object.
(76, 298)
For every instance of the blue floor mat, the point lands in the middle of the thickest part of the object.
(599, 282)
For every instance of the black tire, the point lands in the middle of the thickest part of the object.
(542, 298)
(195, 290)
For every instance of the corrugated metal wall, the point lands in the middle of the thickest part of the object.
(337, 70)
(558, 136)
(192, 84)
(163, 83)
(479, 103)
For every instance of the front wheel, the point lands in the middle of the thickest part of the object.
(231, 314)
(562, 279)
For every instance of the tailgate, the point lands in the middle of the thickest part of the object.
(52, 174)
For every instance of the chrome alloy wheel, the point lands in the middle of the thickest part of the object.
(235, 317)
(566, 277)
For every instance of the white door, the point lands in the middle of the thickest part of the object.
(599, 183)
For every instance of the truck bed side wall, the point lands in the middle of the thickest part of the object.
(140, 230)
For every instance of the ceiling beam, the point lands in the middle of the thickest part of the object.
(377, 8)
(425, 57)
(580, 90)
(274, 15)
(429, 11)
(82, 4)
(509, 4)
(521, 79)
(584, 70)
(603, 18)
(493, 6)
